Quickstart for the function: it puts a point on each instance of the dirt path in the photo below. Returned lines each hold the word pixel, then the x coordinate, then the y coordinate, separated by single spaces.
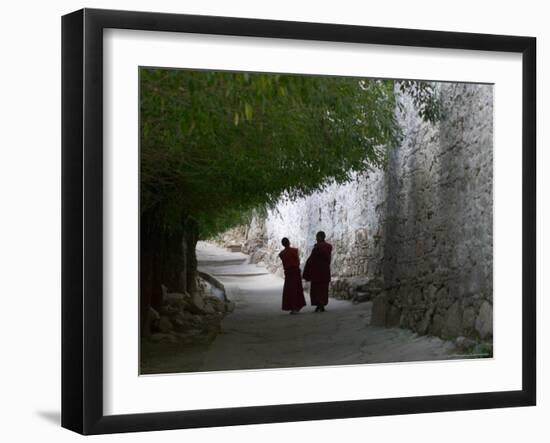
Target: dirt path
pixel 258 334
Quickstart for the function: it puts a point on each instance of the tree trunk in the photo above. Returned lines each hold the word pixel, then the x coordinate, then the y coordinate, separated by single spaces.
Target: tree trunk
pixel 167 258
pixel 146 270
pixel 190 239
pixel 146 274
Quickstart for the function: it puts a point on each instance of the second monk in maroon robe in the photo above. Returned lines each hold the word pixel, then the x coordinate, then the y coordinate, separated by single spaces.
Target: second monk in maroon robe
pixel 317 271
pixel 293 292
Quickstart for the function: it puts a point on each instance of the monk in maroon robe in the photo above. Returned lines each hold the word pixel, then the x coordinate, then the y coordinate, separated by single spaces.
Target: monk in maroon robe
pixel 317 271
pixel 293 292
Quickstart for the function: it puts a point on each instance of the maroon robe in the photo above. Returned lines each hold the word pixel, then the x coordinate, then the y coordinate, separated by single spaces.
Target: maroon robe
pixel 293 292
pixel 317 271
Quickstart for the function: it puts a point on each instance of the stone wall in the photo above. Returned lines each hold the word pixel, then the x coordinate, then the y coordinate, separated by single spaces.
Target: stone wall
pixel 417 237
pixel 437 257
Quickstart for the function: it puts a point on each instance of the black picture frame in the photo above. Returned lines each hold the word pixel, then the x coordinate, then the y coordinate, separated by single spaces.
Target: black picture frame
pixel 82 218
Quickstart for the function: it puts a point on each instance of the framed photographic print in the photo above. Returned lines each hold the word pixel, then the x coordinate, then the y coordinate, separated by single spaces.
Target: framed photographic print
pixel 268 221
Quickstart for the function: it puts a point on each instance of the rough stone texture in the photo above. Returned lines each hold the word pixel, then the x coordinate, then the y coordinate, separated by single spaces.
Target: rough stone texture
pixel 421 230
pixel 165 325
pixel 379 310
pixel 188 319
pixel 484 321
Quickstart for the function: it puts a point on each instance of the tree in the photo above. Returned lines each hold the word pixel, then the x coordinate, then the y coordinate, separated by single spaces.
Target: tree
pixel 215 145
pixel 217 141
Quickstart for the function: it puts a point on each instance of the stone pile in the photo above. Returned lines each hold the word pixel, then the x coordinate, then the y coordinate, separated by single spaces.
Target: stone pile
pixel 189 318
pixel 358 289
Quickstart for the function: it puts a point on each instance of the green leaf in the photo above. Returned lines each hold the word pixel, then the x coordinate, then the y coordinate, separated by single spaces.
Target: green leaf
pixel 198 159
pixel 248 111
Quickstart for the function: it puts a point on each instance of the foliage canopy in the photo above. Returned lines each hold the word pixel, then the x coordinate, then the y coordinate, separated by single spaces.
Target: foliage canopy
pixel 216 144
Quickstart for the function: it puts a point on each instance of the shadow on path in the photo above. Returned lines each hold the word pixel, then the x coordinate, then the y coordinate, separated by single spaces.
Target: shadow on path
pixel 258 334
